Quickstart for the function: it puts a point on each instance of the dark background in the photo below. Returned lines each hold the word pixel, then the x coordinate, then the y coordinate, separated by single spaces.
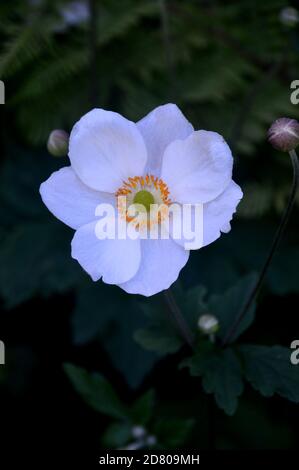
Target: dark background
pixel 229 66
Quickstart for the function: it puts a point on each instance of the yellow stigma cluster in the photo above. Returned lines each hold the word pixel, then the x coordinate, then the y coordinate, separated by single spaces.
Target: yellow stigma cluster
pixel 145 191
pixel 147 183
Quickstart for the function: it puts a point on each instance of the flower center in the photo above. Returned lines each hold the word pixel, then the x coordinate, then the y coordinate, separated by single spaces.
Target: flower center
pixel 145 198
pixel 146 190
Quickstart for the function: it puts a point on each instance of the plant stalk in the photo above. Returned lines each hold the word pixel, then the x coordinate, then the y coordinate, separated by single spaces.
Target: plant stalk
pixel 179 319
pixel 93 26
pixel 277 238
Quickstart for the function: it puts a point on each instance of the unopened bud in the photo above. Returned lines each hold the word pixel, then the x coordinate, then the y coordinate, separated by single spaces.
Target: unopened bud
pixel 151 441
pixel 58 143
pixel 138 432
pixel 208 324
pixel 284 134
pixel 289 16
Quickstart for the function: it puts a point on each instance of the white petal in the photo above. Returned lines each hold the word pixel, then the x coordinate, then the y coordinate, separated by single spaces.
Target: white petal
pixel 161 262
pixel 218 213
pixel 70 200
pixel 159 128
pixel 105 149
pixel 226 228
pixel 186 225
pixel 116 261
pixel 198 168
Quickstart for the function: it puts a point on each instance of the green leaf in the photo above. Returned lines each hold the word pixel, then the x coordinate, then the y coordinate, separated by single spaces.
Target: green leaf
pixel 227 306
pixel 117 435
pixel 96 391
pixel 35 259
pixel 221 375
pixel 20 179
pixel 160 341
pixel 283 275
pixel 253 423
pixel 270 371
pixel 161 334
pixel 172 433
pixel 35 248
pixel 97 305
pixel 132 360
pixel 192 302
pixel 142 410
pixel 105 313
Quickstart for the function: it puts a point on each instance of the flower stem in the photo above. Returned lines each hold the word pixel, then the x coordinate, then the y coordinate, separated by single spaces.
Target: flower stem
pixel 189 338
pixel 179 319
pixel 212 423
pixel 275 243
pixel 168 49
pixel 93 26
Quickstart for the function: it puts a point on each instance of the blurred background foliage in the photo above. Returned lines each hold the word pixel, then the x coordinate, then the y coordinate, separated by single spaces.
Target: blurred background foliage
pixel 229 66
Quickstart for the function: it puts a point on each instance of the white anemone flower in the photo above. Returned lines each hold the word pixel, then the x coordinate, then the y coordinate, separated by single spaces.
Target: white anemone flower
pixel 158 159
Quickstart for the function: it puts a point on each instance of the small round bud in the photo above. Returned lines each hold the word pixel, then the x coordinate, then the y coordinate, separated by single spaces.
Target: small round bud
pixel 58 143
pixel 151 441
pixel 208 324
pixel 284 134
pixel 138 432
pixel 289 16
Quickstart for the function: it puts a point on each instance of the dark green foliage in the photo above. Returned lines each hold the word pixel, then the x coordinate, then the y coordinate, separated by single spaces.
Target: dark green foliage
pixel 96 392
pixel 221 375
pixel 142 410
pixel 160 335
pixel 223 67
pixel 172 433
pixel 42 250
pixel 117 435
pixel 227 306
pixel 35 248
pixel 270 371
pixel 105 313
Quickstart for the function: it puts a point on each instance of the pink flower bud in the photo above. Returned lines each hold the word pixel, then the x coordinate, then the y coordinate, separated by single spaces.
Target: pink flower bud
pixel 58 143
pixel 284 134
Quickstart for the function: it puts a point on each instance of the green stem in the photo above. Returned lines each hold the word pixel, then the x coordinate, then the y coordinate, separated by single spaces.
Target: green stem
pixel 168 49
pixel 179 319
pixel 189 338
pixel 93 26
pixel 211 423
pixel 277 238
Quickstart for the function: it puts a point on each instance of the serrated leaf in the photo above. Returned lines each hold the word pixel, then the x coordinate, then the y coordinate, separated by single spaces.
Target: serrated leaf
pixel 270 371
pixel 172 433
pixel 35 251
pixel 96 305
pixel 96 391
pixel 107 314
pixel 161 335
pixel 34 259
pixel 142 409
pixel 221 375
pixel 227 306
pixel 160 341
pixel 192 302
pixel 283 275
pixel 20 178
pixel 117 435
